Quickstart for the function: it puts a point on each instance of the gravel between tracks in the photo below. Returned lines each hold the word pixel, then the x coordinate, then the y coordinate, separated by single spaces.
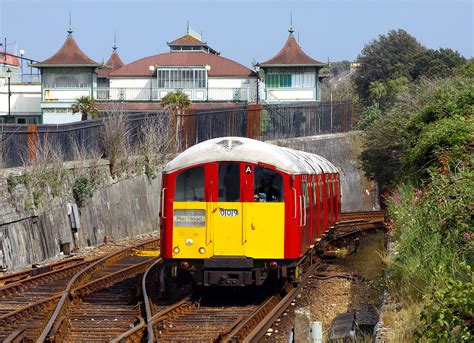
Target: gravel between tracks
pixel 327 298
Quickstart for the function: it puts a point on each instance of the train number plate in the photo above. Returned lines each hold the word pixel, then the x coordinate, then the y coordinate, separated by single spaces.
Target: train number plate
pixel 228 213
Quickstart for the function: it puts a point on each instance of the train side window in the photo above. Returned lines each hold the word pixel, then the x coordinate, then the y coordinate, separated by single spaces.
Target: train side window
pixel 268 185
pixel 229 182
pixel 328 195
pixel 320 186
pixel 314 193
pixel 190 185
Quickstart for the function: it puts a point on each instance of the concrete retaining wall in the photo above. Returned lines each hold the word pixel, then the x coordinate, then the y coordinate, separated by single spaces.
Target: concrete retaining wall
pixel 342 149
pixel 118 209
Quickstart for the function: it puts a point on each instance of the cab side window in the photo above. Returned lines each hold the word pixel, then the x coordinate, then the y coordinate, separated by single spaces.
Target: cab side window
pixel 190 185
pixel 229 182
pixel 268 185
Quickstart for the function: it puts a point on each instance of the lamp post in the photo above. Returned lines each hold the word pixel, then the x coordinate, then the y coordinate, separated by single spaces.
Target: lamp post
pixel 22 53
pixel 9 74
pixel 208 68
pixel 257 69
pixel 151 69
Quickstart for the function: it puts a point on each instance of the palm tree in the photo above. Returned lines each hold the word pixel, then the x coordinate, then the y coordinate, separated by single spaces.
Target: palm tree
pixel 177 102
pixel 86 106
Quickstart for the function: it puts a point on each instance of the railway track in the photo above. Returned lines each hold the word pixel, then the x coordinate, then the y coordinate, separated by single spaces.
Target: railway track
pixel 201 320
pixel 32 272
pixel 30 303
pixel 115 299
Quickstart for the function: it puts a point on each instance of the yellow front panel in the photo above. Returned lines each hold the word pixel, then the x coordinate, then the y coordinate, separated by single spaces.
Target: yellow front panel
pixel 264 229
pixel 227 221
pixel 256 230
pixel 201 236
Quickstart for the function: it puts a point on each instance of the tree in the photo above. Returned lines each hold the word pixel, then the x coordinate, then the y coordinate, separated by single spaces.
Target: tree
pixel 386 58
pixel 177 103
pixel 86 106
pixel 436 63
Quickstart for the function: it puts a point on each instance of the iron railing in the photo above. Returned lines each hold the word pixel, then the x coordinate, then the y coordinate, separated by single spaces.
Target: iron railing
pixel 243 94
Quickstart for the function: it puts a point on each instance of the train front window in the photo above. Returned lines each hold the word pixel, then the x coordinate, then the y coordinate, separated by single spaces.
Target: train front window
pixel 268 185
pixel 229 182
pixel 190 185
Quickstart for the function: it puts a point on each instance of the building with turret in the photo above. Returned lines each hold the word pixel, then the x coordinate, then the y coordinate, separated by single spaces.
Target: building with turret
pixel 291 75
pixel 66 76
pixel 190 66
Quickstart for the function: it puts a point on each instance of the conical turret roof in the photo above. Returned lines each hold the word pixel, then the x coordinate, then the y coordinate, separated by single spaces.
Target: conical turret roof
pixel 291 55
pixel 112 64
pixel 70 55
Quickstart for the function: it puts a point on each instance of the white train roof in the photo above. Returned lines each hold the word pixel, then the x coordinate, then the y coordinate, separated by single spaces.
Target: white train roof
pixel 252 151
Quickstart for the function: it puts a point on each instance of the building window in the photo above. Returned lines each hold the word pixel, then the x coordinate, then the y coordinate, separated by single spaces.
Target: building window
pixel 292 77
pixel 278 80
pixel 66 78
pixel 181 78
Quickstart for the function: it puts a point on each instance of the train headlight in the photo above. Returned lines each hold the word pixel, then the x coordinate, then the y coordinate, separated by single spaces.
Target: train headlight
pixel 189 242
pixel 176 250
pixel 202 250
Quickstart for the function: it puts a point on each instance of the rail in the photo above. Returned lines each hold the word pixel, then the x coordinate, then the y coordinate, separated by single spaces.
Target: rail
pixel 83 277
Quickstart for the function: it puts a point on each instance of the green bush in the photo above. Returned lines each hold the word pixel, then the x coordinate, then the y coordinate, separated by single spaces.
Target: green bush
pixel 448 311
pixel 82 189
pixel 434 251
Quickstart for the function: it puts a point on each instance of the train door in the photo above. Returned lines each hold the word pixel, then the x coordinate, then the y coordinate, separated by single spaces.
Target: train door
pixel 338 196
pixel 264 212
pixel 315 209
pixel 329 183
pixel 325 207
pixel 226 210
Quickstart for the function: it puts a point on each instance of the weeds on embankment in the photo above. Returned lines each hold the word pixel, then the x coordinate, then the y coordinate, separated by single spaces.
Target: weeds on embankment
pixel 419 150
pixel 431 267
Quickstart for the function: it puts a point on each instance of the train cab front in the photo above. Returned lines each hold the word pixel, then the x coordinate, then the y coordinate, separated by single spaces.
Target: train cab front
pixel 223 224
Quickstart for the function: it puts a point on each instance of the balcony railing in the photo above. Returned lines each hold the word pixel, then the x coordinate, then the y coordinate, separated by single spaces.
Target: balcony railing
pixel 244 94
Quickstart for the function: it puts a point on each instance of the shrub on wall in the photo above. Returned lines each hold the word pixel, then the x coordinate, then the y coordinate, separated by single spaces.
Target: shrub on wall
pixel 82 189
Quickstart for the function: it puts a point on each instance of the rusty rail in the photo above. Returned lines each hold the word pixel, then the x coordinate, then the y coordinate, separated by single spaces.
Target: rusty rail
pixel 41 279
pixel 83 277
pixel 33 272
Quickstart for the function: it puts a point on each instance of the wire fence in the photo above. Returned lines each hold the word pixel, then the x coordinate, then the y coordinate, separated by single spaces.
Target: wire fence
pixel 19 143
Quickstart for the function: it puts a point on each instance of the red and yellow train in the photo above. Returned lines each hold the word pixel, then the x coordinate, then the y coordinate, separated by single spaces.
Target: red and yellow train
pixel 236 210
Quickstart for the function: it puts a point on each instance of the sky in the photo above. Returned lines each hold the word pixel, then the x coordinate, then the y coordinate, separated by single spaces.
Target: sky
pixel 244 31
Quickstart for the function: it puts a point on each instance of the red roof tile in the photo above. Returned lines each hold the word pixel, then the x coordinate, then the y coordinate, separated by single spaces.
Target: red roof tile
pixel 70 54
pixel 220 66
pixel 292 54
pixel 112 64
pixel 187 40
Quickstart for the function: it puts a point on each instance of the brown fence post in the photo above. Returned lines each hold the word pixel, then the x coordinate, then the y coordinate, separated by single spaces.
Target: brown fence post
pixel 32 140
pixel 253 120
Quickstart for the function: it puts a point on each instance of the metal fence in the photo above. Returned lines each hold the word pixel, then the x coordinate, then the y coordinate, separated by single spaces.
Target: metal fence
pixel 19 143
pixel 305 119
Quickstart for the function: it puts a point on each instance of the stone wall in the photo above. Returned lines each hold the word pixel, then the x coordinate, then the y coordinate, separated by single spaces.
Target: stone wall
pixel 342 149
pixel 35 219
